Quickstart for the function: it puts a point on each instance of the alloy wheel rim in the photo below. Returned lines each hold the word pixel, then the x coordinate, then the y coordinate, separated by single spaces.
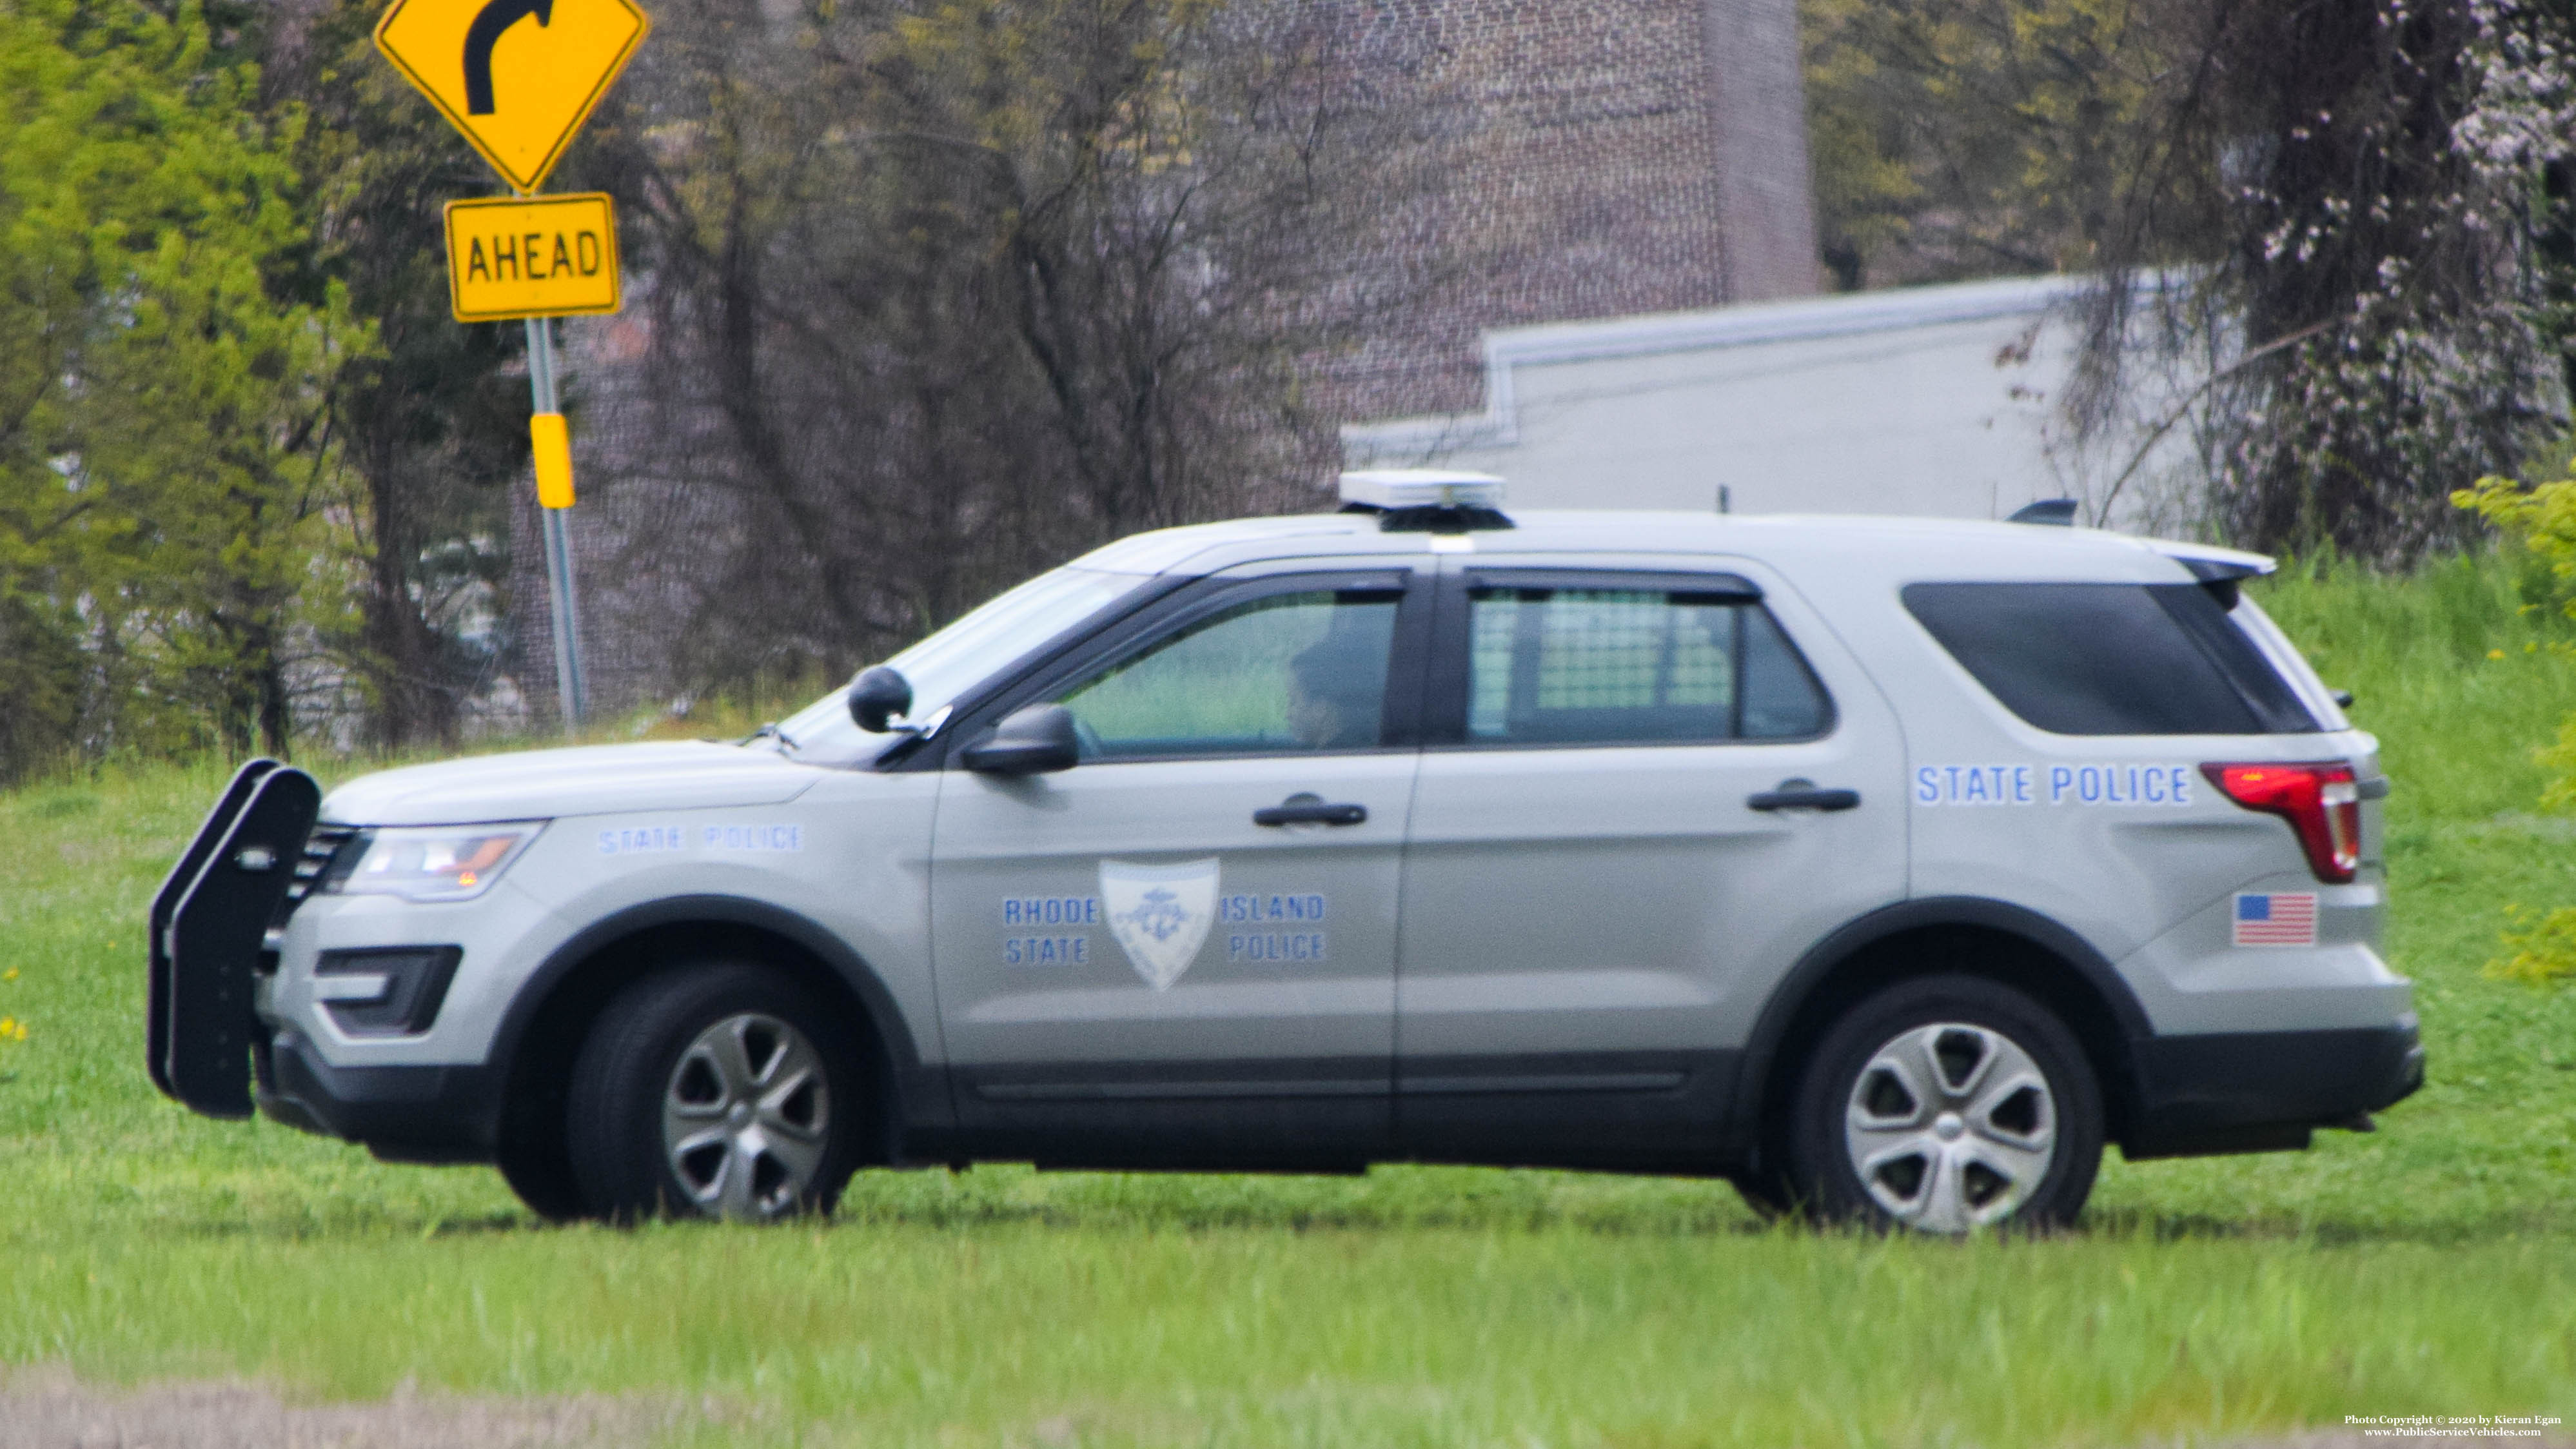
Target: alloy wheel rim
pixel 746 1117
pixel 1950 1127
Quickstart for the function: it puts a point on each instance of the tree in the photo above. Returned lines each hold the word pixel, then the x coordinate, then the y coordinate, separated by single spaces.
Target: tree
pixel 428 427
pixel 941 294
pixel 2333 239
pixel 159 410
pixel 2343 199
pixel 1965 138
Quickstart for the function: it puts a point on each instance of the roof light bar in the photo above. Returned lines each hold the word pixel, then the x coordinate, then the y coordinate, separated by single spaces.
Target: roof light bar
pixel 1426 500
pixel 1394 489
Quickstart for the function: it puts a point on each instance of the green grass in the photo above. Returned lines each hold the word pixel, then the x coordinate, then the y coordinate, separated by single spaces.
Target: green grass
pixel 2429 1268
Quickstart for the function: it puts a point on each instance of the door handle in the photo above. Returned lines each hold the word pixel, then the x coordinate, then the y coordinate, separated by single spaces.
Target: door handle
pixel 1803 797
pixel 1305 808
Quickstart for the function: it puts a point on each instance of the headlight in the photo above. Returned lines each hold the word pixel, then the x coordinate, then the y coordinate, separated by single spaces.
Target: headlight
pixel 433 863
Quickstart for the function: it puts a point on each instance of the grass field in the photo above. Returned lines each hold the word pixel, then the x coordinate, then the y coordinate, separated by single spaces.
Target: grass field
pixel 2429 1268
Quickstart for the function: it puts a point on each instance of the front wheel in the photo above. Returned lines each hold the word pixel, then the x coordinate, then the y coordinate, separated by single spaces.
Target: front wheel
pixel 720 1090
pixel 1946 1104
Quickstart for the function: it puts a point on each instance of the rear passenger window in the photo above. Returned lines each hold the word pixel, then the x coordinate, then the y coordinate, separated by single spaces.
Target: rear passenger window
pixel 1616 666
pixel 2111 659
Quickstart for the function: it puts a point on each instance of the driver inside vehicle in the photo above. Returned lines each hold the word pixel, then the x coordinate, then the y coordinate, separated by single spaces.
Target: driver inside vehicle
pixel 1336 692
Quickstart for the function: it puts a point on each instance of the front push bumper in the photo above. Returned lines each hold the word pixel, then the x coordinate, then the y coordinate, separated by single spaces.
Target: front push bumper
pixel 208 928
pixel 204 1043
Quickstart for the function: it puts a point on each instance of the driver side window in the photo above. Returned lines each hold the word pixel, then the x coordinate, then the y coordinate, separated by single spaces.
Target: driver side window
pixel 1281 674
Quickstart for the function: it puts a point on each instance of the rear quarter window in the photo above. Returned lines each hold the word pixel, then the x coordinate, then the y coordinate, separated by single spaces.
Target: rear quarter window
pixel 2111 659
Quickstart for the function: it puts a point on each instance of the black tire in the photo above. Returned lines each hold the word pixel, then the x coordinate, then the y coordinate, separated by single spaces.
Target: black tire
pixel 1767 1192
pixel 2007 1133
pixel 537 1165
pixel 737 1059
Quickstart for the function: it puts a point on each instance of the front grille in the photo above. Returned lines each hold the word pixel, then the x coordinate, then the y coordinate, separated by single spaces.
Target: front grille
pixel 322 851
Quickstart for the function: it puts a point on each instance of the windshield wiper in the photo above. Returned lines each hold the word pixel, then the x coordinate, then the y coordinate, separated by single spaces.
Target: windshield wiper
pixel 770 731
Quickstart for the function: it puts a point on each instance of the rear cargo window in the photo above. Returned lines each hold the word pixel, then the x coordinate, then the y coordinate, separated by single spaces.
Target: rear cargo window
pixel 2111 659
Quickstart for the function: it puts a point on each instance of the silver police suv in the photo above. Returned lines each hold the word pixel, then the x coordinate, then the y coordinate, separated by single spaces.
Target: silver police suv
pixel 1886 867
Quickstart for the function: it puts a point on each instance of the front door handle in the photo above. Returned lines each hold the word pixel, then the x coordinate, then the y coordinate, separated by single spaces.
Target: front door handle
pixel 1803 797
pixel 1306 808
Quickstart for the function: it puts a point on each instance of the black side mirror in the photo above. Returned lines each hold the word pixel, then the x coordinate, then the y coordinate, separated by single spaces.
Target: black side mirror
pixel 1030 741
pixel 878 695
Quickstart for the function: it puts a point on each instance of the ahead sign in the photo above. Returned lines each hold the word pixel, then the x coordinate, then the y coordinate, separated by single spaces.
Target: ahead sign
pixel 541 256
pixel 518 77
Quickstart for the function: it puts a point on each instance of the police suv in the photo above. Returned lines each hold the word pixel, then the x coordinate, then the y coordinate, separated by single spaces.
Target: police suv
pixel 1888 867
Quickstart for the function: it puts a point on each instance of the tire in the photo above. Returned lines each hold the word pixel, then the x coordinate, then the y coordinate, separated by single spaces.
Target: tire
pixel 1943 1105
pixel 715 1090
pixel 538 1167
pixel 1766 1192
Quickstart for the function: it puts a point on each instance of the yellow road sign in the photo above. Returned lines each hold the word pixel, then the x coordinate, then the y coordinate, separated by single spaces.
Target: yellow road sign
pixel 540 256
pixel 518 77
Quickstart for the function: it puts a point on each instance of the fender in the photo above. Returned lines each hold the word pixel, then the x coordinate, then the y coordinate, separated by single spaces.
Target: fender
pixel 917 1096
pixel 1743 1127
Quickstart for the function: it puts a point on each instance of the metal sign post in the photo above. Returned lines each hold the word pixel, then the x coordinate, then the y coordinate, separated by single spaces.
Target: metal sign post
pixel 519 103
pixel 554 497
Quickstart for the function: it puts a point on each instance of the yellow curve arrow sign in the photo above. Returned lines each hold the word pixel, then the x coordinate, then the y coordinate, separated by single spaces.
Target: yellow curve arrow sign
pixel 517 77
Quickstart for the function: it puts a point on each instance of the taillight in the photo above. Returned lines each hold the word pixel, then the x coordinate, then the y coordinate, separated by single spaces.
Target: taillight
pixel 2321 802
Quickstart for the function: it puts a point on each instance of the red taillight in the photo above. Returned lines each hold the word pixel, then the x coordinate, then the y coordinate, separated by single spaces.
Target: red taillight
pixel 2321 802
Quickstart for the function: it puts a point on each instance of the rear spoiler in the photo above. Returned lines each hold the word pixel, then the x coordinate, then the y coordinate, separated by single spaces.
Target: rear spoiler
pixel 2220 570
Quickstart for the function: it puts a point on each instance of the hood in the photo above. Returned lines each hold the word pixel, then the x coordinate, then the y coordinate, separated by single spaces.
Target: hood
pixel 546 784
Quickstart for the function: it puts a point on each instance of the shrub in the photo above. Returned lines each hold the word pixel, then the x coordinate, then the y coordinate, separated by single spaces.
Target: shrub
pixel 2540 523
pixel 2543 952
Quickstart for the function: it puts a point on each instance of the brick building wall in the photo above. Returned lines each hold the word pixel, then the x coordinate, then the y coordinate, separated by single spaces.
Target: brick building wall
pixel 1766 197
pixel 1608 158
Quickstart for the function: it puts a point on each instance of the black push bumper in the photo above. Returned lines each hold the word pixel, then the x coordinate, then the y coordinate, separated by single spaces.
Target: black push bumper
pixel 209 922
pixel 2263 1091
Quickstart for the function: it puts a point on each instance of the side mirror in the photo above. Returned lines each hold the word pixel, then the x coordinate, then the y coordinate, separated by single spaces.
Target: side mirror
pixel 878 695
pixel 1031 741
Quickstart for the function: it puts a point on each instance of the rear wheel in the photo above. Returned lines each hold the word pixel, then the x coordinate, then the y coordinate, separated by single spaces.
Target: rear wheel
pixel 1946 1104
pixel 718 1090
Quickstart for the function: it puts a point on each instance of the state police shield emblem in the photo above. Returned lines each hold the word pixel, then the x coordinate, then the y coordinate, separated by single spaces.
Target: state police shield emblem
pixel 1160 914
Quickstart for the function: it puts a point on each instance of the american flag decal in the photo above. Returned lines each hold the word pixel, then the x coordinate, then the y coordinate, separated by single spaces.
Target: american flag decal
pixel 2279 919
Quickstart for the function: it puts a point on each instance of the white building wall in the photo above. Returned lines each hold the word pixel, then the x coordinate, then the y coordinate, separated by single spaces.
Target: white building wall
pixel 1931 400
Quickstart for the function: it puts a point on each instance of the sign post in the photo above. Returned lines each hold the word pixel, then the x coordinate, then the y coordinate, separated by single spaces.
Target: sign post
pixel 552 444
pixel 518 78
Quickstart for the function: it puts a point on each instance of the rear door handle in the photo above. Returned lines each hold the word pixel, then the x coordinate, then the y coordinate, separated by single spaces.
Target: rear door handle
pixel 1304 808
pixel 1806 797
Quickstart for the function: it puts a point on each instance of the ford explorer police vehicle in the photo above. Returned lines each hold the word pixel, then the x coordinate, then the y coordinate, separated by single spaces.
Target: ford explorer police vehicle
pixel 1887 867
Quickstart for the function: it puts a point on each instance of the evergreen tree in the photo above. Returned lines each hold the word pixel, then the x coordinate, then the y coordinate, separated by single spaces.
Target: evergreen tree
pixel 160 411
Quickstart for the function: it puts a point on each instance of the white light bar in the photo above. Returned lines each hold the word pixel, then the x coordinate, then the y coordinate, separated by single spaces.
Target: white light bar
pixel 1394 488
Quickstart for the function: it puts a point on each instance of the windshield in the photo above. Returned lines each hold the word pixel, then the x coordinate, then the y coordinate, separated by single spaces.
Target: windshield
pixel 962 655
